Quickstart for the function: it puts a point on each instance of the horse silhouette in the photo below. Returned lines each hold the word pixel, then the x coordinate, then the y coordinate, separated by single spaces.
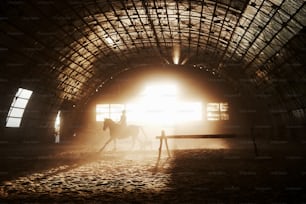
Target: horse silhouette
pixel 118 132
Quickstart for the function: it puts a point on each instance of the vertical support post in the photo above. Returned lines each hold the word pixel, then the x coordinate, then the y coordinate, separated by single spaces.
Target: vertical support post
pixel 254 142
pixel 160 145
pixel 166 142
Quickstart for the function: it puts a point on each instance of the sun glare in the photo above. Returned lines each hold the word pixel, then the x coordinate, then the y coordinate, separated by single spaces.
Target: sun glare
pixel 176 54
pixel 160 104
pixel 157 104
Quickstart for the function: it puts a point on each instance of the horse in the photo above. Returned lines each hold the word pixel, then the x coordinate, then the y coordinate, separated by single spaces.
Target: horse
pixel 118 132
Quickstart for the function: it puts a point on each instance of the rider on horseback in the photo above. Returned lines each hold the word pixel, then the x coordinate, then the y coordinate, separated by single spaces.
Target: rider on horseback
pixel 122 121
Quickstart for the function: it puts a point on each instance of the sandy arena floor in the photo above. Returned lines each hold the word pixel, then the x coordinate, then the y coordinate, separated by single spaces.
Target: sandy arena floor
pixel 189 176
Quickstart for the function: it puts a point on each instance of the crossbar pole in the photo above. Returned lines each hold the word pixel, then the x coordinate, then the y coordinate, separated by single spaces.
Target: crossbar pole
pixel 197 136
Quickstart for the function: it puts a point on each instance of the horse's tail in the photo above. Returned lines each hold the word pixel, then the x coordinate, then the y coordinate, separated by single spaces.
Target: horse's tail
pixel 147 141
pixel 142 131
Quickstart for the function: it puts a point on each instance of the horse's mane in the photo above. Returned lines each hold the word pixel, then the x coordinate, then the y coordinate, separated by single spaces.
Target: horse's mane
pixel 109 120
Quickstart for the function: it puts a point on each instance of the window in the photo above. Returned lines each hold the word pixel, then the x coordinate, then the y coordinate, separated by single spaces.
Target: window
pixel 17 108
pixel 57 127
pixel 158 104
pixel 217 111
pixel 102 111
pixel 57 123
pixel 116 111
pixel 112 111
pixel 143 113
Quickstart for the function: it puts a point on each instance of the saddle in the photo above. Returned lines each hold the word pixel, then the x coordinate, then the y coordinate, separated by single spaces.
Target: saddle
pixel 122 128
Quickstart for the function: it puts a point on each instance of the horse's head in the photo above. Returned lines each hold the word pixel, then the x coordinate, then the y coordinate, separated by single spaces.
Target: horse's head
pixel 107 123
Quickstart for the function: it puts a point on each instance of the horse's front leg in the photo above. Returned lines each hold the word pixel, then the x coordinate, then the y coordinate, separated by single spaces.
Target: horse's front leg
pixel 108 141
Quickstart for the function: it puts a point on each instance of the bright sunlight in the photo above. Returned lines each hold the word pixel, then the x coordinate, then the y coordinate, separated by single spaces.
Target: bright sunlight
pixel 158 103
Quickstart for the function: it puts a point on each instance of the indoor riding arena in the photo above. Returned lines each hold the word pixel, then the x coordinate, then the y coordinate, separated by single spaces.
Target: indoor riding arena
pixel 153 101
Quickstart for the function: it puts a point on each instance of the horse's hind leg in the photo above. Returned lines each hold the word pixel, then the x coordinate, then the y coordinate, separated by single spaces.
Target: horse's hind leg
pixel 133 143
pixel 108 141
pixel 115 145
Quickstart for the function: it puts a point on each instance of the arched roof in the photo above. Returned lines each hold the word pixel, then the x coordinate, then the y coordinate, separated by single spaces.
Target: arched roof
pixel 70 48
